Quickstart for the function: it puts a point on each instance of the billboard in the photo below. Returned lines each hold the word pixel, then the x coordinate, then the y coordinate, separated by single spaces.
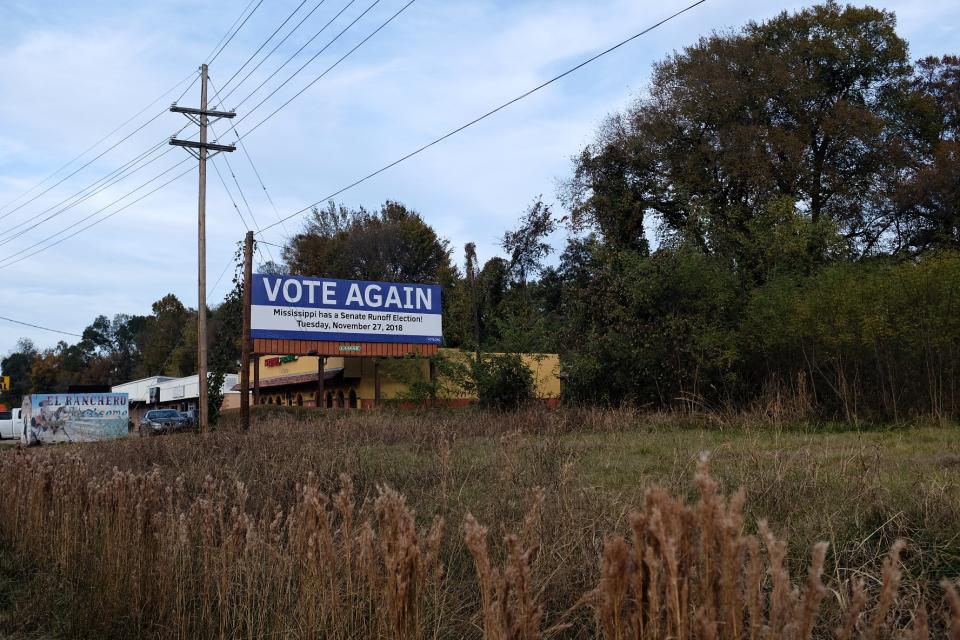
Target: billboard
pixel 299 308
pixel 74 417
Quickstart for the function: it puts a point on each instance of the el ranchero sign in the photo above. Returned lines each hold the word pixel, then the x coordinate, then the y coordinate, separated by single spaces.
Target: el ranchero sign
pixel 299 308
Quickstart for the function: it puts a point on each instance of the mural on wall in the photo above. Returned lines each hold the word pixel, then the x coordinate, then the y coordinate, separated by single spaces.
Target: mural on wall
pixel 74 417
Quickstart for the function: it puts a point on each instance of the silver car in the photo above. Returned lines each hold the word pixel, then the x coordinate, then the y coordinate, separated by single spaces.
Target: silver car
pixel 157 421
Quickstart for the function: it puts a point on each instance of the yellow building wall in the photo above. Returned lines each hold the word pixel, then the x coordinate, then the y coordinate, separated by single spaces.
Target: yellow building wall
pixel 545 368
pixel 304 364
pixel 358 374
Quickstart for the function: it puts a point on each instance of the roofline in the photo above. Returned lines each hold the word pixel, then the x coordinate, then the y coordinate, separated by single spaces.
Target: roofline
pixel 147 378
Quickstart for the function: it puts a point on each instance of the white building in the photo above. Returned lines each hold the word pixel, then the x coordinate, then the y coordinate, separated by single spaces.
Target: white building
pixel 172 393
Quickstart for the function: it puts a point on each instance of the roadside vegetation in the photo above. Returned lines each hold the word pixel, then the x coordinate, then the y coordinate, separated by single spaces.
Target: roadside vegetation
pixel 775 216
pixel 795 314
pixel 529 524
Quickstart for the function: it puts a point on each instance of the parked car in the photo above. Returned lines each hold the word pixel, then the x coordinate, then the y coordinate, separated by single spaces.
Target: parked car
pixel 11 424
pixel 158 421
pixel 190 416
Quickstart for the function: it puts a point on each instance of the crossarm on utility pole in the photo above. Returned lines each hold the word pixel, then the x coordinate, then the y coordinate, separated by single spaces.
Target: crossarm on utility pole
pixel 209 146
pixel 202 112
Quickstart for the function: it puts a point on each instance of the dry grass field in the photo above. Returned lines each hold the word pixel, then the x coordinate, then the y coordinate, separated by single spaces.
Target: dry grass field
pixel 567 523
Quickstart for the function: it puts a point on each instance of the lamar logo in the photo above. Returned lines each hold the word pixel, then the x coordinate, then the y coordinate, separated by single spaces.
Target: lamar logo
pixel 349 347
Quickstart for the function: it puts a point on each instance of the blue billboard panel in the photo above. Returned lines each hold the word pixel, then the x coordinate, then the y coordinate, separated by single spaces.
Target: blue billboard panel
pixel 301 308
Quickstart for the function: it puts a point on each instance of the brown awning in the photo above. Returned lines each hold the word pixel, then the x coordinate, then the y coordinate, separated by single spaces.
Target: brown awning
pixel 292 379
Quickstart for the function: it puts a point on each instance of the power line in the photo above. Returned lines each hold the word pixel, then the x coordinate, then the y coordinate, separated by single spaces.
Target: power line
pixel 240 190
pixel 10 230
pixel 246 204
pixel 252 166
pixel 10 259
pixel 36 326
pixel 233 201
pixel 24 232
pixel 219 278
pixel 276 212
pixel 260 48
pixel 114 177
pixel 304 46
pixel 229 195
pixel 85 165
pixel 107 136
pixel 96 222
pixel 328 69
pixel 271 52
pixel 229 30
pixel 235 31
pixel 488 113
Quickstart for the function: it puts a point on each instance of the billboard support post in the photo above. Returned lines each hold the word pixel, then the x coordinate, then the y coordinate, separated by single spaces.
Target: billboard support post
pixel 376 382
pixel 256 378
pixel 245 342
pixel 320 381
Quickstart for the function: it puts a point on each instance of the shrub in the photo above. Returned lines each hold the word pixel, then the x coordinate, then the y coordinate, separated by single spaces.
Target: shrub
pixel 503 381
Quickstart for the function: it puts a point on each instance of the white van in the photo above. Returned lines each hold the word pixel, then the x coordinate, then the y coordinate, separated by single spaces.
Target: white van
pixel 11 424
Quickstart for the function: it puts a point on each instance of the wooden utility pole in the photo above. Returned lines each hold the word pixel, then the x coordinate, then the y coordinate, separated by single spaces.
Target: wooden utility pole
pixel 201 116
pixel 245 340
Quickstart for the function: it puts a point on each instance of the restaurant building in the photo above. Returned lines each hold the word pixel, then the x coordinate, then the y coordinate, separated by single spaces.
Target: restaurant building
pixel 357 382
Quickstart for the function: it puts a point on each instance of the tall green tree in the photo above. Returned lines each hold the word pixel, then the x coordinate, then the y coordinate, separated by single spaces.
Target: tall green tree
pixel 163 335
pixel 928 200
pixel 18 364
pixel 803 107
pixel 393 244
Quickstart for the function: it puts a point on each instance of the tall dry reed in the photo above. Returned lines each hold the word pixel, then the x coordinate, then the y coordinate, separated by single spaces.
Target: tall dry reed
pixel 147 554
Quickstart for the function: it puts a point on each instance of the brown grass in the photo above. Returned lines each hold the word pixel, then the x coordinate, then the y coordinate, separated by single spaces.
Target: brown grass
pixel 261 535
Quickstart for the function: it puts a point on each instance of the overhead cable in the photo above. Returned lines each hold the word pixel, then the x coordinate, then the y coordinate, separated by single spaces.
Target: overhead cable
pixel 85 165
pixel 114 177
pixel 37 326
pixel 235 32
pixel 15 258
pixel 265 42
pixel 486 115
pixel 271 52
pixel 297 52
pixel 193 75
pixel 325 72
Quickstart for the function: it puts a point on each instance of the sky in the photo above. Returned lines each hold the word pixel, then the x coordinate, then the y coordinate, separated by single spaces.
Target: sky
pixel 71 72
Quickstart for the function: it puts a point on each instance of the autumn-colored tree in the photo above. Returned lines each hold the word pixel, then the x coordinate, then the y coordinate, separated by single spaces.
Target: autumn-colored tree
pixel 393 245
pixel 803 107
